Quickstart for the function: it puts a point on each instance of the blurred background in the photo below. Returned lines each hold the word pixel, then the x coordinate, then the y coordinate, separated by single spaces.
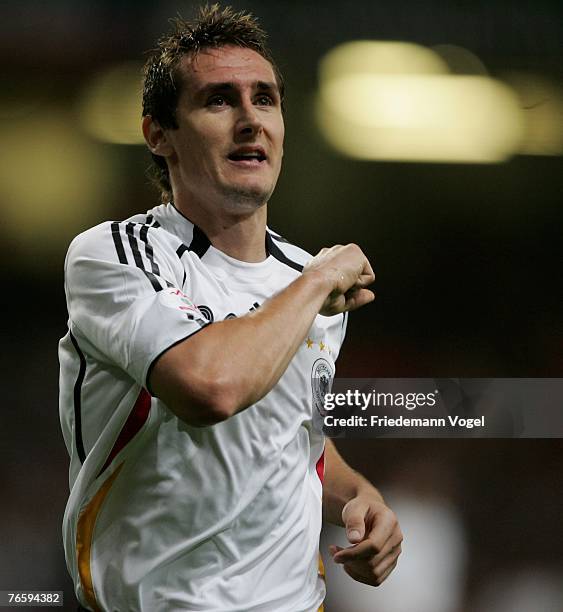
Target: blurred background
pixel 429 133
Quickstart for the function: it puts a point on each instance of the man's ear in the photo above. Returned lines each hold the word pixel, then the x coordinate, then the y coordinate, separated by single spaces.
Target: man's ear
pixel 156 137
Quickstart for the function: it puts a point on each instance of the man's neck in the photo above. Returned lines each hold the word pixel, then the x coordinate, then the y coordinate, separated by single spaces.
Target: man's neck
pixel 241 237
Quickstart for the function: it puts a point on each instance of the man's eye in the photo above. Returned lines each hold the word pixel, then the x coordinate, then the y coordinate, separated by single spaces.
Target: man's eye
pixel 217 101
pixel 265 100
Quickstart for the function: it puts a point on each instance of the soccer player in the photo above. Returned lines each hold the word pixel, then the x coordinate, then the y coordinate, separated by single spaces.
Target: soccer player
pixel 190 372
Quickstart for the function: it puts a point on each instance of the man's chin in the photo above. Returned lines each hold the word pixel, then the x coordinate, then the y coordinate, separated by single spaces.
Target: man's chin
pixel 247 197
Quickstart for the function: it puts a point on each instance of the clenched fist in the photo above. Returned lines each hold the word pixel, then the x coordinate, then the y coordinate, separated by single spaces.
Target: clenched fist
pixel 347 272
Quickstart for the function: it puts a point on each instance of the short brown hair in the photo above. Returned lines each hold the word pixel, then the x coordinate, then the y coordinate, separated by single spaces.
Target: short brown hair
pixel 213 27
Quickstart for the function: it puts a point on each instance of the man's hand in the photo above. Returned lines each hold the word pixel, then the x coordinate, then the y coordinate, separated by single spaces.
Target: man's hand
pixel 347 272
pixel 373 530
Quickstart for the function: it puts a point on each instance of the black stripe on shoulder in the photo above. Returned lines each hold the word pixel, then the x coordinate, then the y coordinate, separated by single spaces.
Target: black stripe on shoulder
pixel 144 235
pixel 130 231
pixel 275 251
pixel 278 238
pixel 200 243
pixel 153 281
pixel 115 232
pixel 78 400
pixel 151 221
pixel 134 246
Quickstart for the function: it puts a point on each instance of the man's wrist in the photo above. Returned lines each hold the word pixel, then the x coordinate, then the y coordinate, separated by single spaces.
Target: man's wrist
pixel 320 280
pixel 366 489
pixel 362 490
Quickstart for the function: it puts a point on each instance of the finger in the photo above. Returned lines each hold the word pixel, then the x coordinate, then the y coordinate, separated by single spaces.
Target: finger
pixel 381 565
pixel 383 576
pixel 367 275
pixel 364 280
pixel 362 573
pixel 333 549
pixel 391 550
pixel 334 305
pixel 359 577
pixel 356 298
pixel 367 551
pixel 360 552
pixel 379 543
pixel 354 519
pixel 337 304
pixel 355 533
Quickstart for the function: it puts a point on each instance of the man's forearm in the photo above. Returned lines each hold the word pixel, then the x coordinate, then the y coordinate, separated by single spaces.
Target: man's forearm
pixel 371 526
pixel 230 365
pixel 234 363
pixel 341 484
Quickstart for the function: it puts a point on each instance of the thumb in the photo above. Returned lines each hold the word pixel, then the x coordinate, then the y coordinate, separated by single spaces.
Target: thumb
pixel 355 533
pixel 353 518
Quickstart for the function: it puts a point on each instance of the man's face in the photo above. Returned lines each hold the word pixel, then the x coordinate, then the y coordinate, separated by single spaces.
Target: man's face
pixel 229 143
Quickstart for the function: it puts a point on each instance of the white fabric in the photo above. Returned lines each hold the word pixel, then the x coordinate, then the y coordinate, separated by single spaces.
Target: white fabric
pixel 221 518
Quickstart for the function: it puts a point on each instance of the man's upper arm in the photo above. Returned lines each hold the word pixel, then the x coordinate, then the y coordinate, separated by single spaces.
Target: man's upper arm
pixel 123 302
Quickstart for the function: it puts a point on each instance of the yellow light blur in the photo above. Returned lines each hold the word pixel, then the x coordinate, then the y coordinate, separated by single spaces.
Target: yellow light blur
pixel 380 57
pixel 420 118
pixel 110 105
pixel 397 101
pixel 54 182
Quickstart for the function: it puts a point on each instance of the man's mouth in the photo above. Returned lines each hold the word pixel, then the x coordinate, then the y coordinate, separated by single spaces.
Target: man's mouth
pixel 250 155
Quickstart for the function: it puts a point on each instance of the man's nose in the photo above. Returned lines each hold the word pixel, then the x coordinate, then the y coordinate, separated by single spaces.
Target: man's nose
pixel 248 122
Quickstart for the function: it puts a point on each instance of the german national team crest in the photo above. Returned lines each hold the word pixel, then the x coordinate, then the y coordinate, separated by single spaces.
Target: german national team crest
pixel 321 383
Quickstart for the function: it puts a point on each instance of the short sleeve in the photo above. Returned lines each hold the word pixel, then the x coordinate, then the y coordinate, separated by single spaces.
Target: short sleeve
pixel 124 297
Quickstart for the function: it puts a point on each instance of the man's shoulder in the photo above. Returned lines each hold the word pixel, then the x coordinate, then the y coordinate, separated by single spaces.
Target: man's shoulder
pixel 93 240
pixel 107 237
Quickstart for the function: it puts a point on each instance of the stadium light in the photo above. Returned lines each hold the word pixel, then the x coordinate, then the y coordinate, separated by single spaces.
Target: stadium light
pixel 55 182
pixel 398 101
pixel 110 105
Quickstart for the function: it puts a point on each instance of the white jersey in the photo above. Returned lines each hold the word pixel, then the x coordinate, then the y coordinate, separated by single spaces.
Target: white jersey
pixel 163 516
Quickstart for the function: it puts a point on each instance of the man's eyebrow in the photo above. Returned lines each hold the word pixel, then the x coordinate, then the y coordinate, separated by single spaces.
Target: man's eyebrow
pixel 267 86
pixel 227 86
